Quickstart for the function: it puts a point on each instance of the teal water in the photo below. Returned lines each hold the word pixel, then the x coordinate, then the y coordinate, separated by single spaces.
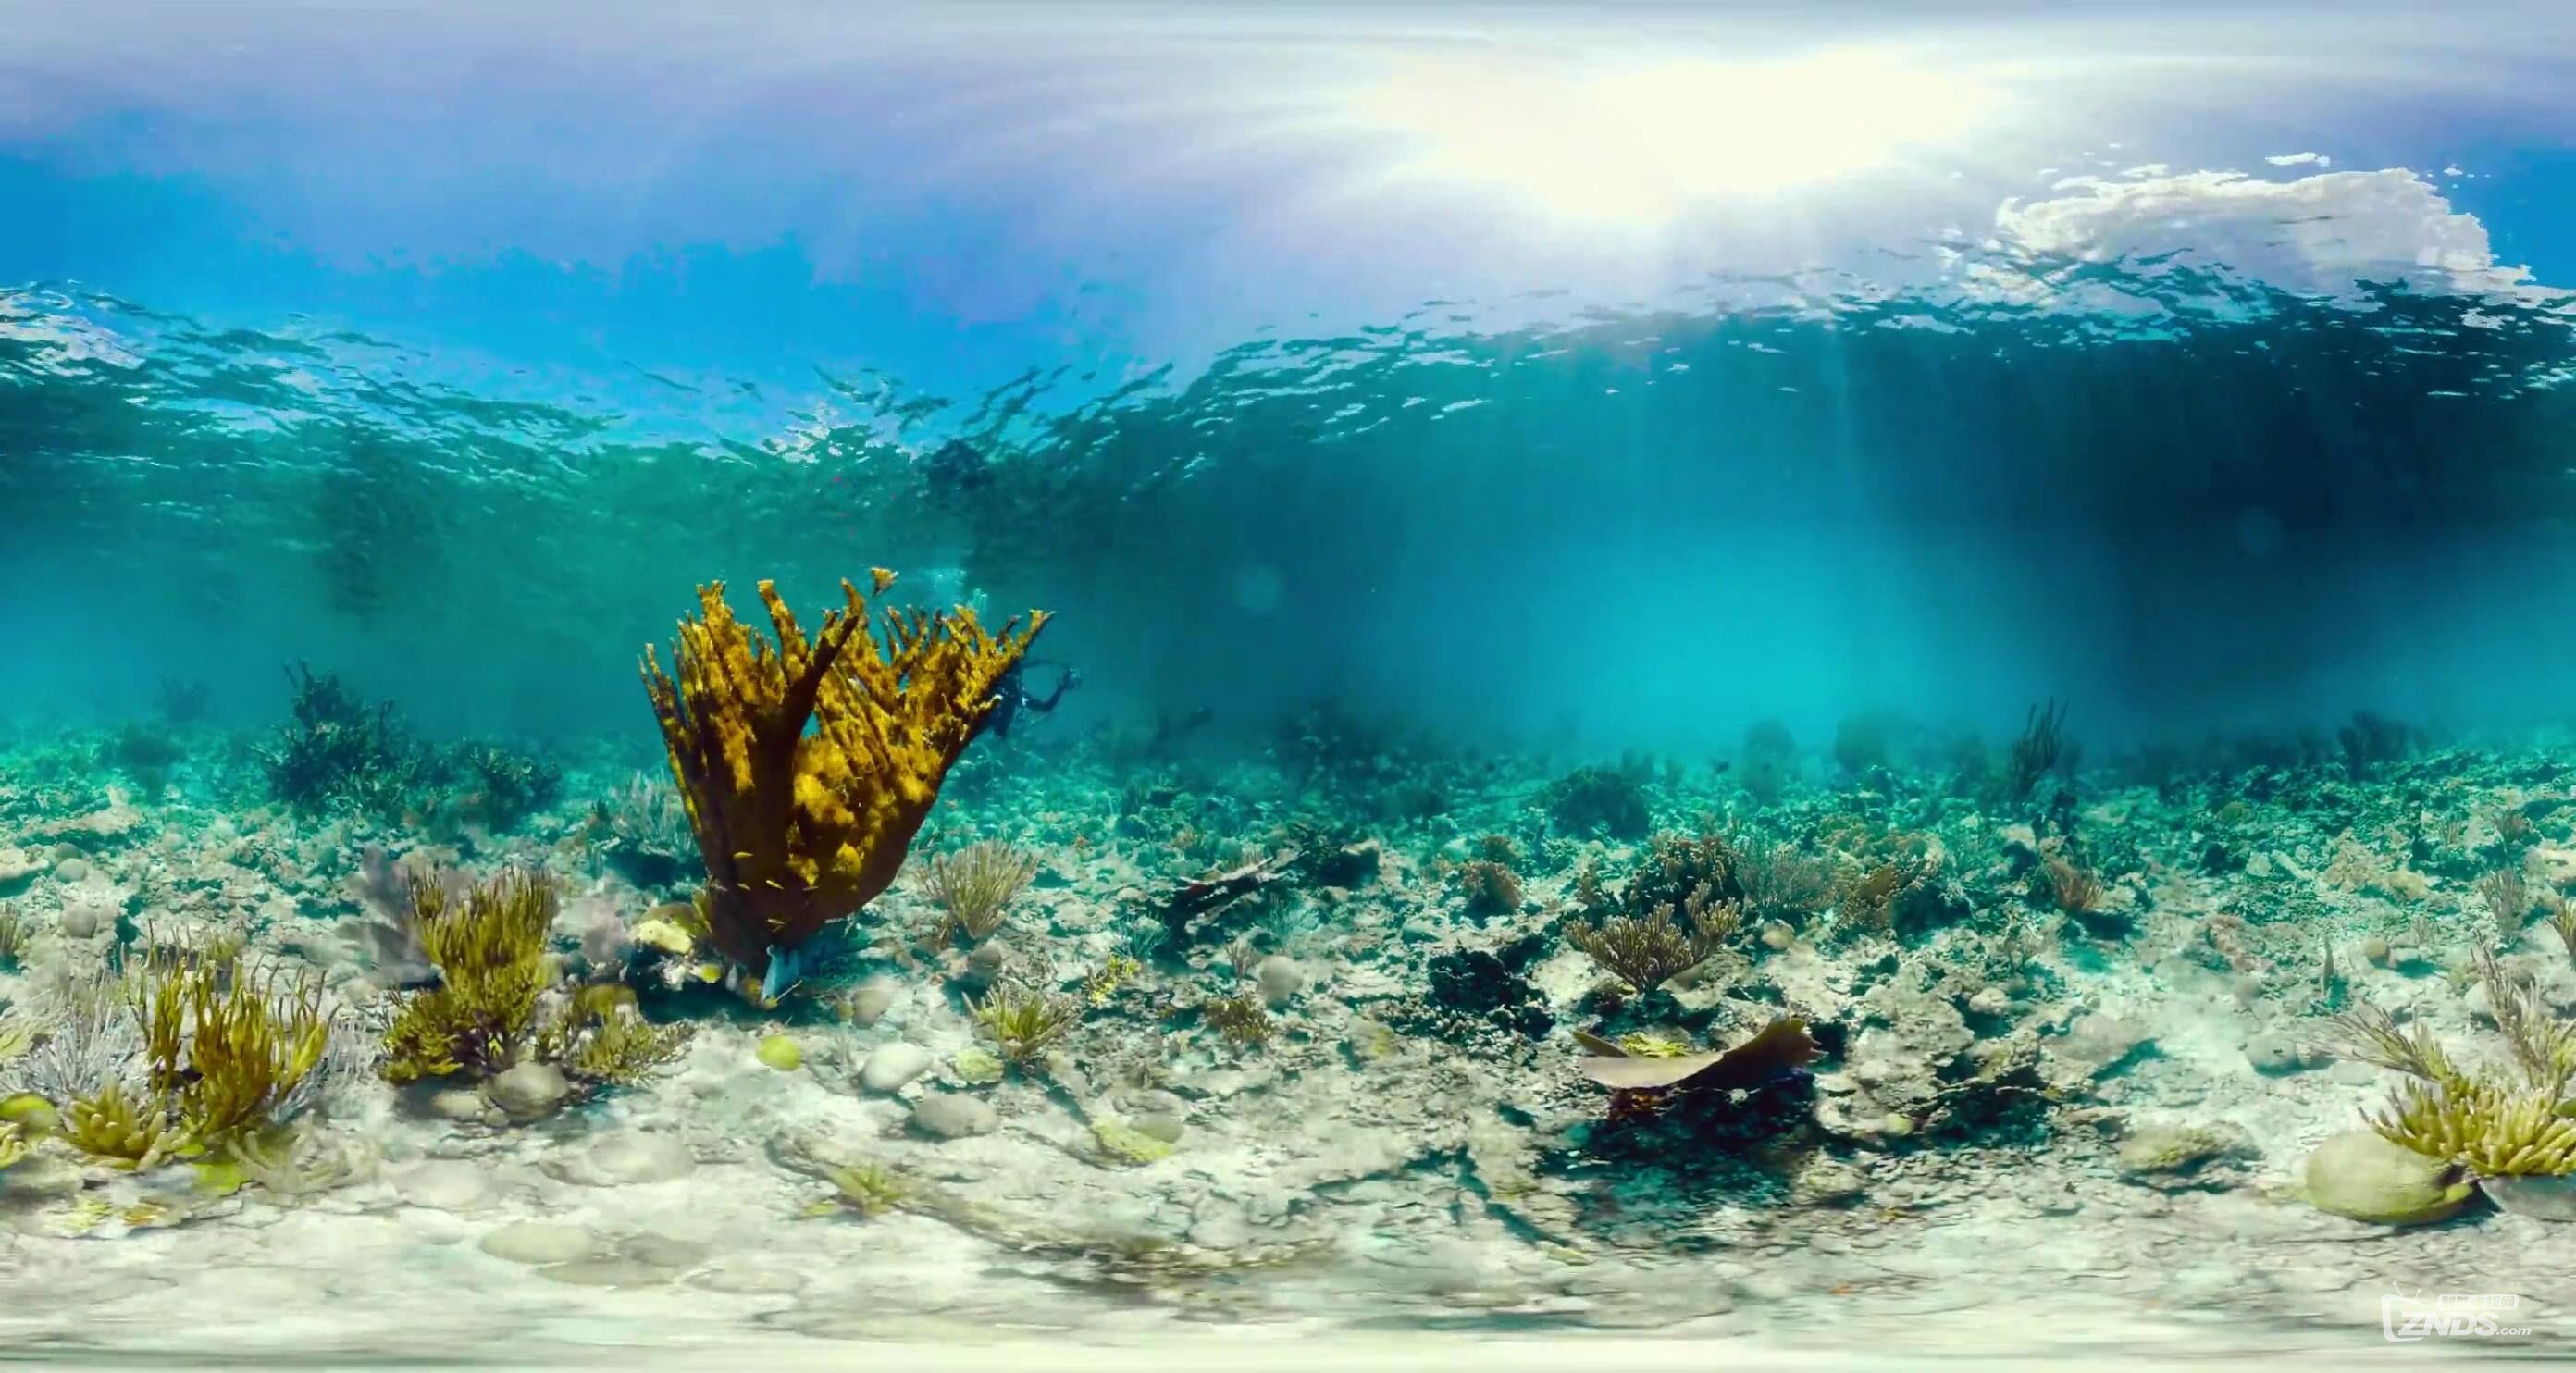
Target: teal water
pixel 1644 530
pixel 2041 409
pixel 1480 435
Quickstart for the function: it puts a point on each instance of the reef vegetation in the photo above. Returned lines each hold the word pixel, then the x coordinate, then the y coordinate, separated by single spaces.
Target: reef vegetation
pixel 1639 1006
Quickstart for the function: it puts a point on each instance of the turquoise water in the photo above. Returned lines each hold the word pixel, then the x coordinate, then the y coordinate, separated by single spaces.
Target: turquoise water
pixel 1399 411
pixel 328 365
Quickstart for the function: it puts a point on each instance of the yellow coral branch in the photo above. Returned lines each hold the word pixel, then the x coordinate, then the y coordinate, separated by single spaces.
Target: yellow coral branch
pixel 2491 1129
pixel 799 827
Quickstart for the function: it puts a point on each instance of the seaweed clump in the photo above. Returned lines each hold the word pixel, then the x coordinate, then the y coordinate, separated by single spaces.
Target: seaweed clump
pixel 503 787
pixel 1024 1023
pixel 488 943
pixel 974 886
pixel 214 1050
pixel 808 768
pixel 1603 800
pixel 2494 1124
pixel 144 753
pixel 642 828
pixel 338 754
pixel 1470 987
pixel 228 1045
pixel 2040 748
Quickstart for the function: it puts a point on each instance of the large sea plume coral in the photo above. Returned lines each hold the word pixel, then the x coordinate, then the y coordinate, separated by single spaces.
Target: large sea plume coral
pixel 802 826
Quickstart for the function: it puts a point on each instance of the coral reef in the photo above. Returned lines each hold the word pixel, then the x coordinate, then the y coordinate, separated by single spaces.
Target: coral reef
pixel 1186 1025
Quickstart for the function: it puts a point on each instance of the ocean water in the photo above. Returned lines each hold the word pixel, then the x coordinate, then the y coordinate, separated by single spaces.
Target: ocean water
pixel 2018 553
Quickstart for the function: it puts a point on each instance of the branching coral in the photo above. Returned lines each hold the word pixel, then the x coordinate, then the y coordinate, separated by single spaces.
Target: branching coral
pixel 2070 886
pixel 1780 883
pixel 809 767
pixel 89 1038
pixel 1677 875
pixel 1893 877
pixel 1684 872
pixel 1491 888
pixel 2508 898
pixel 2371 1035
pixel 1649 950
pixel 644 830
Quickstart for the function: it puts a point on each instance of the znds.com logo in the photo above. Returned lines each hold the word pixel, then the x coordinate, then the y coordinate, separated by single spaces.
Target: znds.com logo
pixel 2450 1315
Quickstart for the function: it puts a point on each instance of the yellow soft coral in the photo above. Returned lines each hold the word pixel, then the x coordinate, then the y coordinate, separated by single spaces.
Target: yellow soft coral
pixel 800 828
pixel 2488 1127
pixel 226 1044
pixel 488 943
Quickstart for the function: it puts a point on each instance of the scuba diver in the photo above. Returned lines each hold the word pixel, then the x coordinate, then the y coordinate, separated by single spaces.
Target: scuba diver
pixel 1016 696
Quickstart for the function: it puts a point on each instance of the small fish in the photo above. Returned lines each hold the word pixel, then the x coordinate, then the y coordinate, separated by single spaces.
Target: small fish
pixel 786 970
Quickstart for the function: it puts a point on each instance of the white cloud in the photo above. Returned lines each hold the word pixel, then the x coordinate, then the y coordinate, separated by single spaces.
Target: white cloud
pixel 2300 160
pixel 2319 235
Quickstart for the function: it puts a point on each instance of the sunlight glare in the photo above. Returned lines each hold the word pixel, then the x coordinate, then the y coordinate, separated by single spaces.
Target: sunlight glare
pixel 1645 144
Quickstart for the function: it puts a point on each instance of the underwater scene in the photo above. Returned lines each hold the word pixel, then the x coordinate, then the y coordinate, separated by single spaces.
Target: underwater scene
pixel 1094 686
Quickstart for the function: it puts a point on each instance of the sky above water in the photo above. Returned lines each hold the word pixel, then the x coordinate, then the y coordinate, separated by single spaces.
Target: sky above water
pixel 615 197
